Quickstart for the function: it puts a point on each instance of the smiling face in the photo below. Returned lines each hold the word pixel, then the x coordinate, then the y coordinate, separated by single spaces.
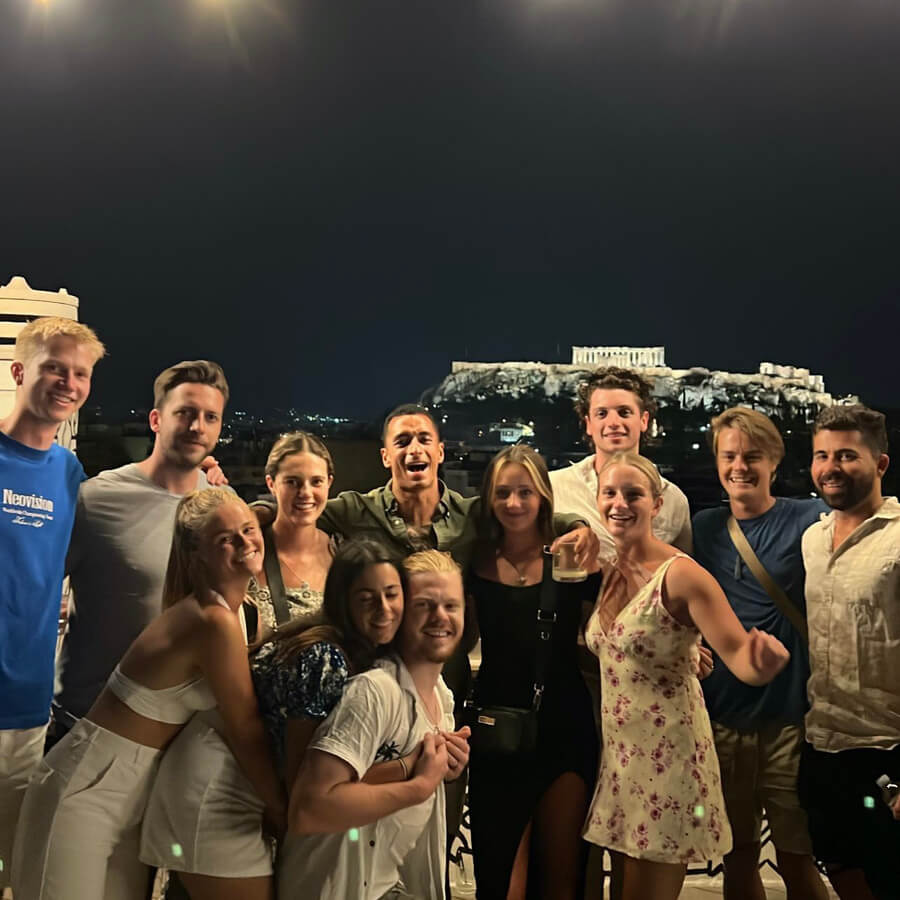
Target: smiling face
pixel 516 501
pixel 188 424
pixel 56 379
pixel 300 487
pixel 626 502
pixel 745 471
pixel 232 544
pixel 434 617
pixel 844 470
pixel 413 452
pixel 376 603
pixel 615 421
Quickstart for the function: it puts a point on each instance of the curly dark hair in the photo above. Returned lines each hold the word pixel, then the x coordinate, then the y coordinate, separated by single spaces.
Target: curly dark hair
pixel 855 417
pixel 616 379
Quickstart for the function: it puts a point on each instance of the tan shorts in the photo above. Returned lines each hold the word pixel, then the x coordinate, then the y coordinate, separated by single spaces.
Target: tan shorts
pixel 759 772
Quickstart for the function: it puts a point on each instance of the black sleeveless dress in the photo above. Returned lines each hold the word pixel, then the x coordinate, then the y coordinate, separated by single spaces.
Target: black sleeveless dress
pixel 503 794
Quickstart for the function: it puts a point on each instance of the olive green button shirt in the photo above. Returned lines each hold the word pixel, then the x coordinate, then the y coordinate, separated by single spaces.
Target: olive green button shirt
pixel 376 515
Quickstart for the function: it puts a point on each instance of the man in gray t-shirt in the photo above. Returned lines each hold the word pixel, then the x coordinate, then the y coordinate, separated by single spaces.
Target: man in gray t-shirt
pixel 123 533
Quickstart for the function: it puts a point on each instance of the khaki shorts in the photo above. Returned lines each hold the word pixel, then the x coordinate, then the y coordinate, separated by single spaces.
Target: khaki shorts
pixel 759 772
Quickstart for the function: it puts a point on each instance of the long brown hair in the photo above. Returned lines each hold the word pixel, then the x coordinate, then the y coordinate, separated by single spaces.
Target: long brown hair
pixel 185 573
pixel 336 623
pixel 490 530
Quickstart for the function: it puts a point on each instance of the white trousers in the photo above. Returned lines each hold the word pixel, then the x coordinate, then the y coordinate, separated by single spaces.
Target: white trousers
pixel 79 828
pixel 21 750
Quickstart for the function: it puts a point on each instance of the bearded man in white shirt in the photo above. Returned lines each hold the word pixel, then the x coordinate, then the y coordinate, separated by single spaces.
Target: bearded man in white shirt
pixel 852 560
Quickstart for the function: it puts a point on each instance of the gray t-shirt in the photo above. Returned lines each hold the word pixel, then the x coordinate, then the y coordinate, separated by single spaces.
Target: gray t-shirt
pixel 116 564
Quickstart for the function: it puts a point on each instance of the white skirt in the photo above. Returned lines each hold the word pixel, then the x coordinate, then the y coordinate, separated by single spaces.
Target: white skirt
pixel 79 829
pixel 204 817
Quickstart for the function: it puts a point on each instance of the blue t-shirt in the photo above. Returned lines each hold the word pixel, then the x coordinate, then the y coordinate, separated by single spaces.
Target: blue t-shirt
pixel 775 538
pixel 39 489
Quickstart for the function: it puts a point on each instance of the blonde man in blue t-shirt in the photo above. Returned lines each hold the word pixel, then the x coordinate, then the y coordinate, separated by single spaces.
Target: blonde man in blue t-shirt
pixel 759 730
pixel 52 366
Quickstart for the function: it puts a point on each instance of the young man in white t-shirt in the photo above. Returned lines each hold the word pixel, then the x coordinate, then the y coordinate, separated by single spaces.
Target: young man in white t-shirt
pixel 352 839
pixel 616 405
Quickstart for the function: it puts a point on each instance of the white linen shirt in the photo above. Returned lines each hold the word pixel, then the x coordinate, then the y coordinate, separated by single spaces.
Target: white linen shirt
pixel 575 491
pixel 853 612
pixel 379 717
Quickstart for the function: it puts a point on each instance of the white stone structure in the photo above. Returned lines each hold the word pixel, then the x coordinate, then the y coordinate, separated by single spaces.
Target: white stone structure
pixel 19 304
pixel 627 357
pixel 793 373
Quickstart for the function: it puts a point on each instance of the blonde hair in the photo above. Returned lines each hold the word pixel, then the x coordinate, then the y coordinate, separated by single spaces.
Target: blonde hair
pixel 428 561
pixel 636 461
pixel 39 332
pixel 758 428
pixel 184 573
pixel 297 442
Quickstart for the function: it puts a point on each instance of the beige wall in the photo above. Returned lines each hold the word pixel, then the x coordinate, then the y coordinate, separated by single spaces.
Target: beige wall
pixel 18 299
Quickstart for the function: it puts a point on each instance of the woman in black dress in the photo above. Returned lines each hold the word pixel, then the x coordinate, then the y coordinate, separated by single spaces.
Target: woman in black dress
pixel 527 810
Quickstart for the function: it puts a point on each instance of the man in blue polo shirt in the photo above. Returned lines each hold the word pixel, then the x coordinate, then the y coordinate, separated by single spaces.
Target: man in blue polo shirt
pixel 759 730
pixel 53 362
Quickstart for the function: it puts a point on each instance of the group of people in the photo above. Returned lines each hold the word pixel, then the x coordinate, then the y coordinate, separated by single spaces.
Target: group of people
pixel 278 699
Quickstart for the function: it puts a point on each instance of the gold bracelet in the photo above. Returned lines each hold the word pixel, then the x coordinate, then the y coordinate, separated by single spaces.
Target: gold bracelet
pixel 402 762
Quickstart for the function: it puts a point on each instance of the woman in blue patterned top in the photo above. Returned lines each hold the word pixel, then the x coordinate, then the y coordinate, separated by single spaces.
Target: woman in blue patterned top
pixel 300 673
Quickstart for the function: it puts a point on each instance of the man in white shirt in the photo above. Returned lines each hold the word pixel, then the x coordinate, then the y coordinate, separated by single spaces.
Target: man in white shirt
pixel 616 406
pixel 352 839
pixel 852 560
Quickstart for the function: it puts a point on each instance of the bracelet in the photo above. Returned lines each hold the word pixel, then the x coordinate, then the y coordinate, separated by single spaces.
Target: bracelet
pixel 403 765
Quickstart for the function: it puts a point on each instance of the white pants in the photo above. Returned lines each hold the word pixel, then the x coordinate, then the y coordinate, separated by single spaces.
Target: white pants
pixel 81 819
pixel 21 750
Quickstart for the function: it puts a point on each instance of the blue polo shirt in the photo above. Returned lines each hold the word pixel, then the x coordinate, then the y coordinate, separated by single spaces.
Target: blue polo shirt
pixel 775 538
pixel 38 489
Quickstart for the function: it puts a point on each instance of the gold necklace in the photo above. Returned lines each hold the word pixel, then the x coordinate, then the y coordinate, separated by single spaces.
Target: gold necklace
pixel 520 573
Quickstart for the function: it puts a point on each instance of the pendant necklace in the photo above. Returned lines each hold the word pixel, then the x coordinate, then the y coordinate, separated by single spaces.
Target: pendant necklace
pixel 520 573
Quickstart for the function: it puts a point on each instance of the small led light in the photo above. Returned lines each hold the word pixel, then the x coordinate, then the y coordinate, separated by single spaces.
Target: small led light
pixel 869 802
pixel 177 852
pixel 699 811
pixel 353 834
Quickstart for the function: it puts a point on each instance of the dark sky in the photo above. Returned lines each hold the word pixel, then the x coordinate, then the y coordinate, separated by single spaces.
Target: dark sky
pixel 334 198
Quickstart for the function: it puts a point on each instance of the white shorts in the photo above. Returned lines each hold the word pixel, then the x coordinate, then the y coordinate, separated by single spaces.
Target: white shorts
pixel 21 750
pixel 204 817
pixel 79 828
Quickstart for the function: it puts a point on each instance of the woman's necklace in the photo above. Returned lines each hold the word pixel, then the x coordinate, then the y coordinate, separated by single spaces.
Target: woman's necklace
pixel 521 573
pixel 285 563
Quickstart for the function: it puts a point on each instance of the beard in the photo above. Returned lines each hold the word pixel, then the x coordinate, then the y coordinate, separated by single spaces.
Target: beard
pixel 852 493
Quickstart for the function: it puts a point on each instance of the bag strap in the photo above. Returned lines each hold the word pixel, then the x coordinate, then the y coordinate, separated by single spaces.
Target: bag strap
pixel 546 619
pixel 781 600
pixel 274 579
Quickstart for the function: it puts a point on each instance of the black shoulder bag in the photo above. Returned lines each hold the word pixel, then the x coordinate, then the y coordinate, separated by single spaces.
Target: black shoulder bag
pixel 501 731
pixel 274 579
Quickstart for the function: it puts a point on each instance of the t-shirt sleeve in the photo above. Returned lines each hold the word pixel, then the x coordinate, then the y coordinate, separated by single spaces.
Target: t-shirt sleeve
pixel 357 727
pixel 76 539
pixel 314 685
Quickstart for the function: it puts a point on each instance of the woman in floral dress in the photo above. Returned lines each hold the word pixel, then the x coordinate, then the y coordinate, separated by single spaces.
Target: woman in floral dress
pixel 658 799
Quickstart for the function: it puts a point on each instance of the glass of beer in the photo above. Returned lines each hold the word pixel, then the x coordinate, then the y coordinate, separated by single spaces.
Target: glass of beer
pixel 565 568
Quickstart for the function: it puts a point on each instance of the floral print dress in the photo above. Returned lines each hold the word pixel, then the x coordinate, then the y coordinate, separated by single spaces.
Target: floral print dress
pixel 658 794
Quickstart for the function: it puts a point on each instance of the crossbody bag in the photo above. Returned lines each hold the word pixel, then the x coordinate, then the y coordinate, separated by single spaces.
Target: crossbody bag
pixel 502 731
pixel 781 600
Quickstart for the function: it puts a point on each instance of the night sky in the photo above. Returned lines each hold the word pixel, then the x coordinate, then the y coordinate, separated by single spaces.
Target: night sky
pixel 335 198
